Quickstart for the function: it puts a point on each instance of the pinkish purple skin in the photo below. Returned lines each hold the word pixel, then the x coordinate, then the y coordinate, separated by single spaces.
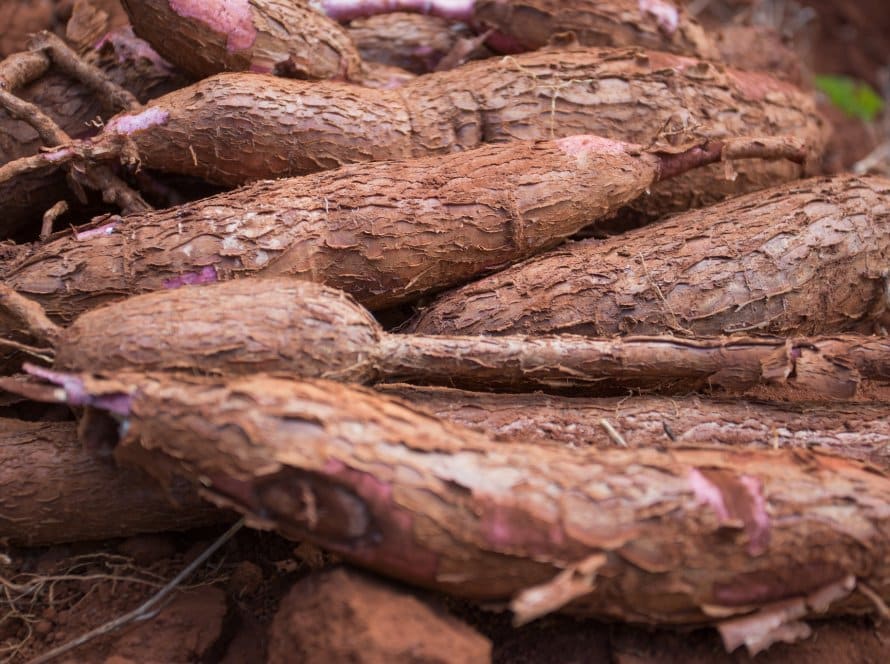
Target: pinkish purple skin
pixel 99 231
pixel 708 493
pixel 206 275
pixel 129 48
pixel 758 532
pixel 397 548
pixel 76 393
pixel 229 17
pixel 57 155
pixel 127 124
pixel 346 10
pixel 502 43
pixel 506 529
pixel 758 529
pixel 583 144
pixel 665 13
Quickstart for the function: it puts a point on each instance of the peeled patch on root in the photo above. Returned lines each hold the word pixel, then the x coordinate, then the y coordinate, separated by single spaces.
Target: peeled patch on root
pixel 129 48
pixel 99 231
pixel 77 394
pixel 735 499
pixel 229 17
pixel 206 275
pixel 583 145
pixel 665 13
pixel 127 124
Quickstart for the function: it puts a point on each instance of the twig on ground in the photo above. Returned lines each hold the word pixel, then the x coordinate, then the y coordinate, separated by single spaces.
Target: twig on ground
pixel 145 611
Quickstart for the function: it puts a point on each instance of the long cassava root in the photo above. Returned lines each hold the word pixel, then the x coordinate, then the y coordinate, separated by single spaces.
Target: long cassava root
pixel 854 430
pixel 54 491
pixel 300 328
pixel 530 24
pixel 384 232
pixel 234 128
pixel 804 258
pixel 678 536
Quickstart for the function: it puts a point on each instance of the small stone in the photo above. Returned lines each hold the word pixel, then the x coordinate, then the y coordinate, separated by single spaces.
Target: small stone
pixel 43 627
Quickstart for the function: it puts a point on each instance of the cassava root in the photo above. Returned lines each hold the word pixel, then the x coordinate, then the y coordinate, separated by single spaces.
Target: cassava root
pixel 384 232
pixel 294 327
pixel 727 537
pixel 235 128
pixel 54 491
pixel 804 258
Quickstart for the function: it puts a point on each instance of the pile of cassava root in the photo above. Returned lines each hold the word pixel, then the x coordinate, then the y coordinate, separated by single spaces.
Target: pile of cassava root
pixel 535 307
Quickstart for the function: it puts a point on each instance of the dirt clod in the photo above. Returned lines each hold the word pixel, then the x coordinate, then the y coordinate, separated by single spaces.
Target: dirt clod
pixel 343 616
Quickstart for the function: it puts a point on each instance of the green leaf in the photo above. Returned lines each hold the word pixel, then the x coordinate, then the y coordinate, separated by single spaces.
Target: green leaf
pixel 855 98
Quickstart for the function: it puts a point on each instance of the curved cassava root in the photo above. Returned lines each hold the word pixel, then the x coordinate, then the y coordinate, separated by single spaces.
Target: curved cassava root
pixel 384 232
pixel 204 37
pixel 54 491
pixel 414 42
pixel 530 24
pixel 858 431
pixel 805 258
pixel 235 128
pixel 683 536
pixel 303 329
pixel 524 25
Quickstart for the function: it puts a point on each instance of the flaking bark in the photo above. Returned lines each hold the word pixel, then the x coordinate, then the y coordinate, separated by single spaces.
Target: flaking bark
pixel 858 431
pixel 299 328
pixel 683 536
pixel 383 232
pixel 274 36
pixel 413 42
pixel 234 128
pixel 807 257
pixel 657 24
pixel 54 491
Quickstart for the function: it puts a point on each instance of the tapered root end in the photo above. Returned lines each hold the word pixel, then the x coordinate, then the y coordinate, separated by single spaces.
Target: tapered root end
pixel 709 152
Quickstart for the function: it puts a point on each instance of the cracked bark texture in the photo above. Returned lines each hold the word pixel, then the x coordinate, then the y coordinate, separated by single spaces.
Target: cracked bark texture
pixel 271 36
pixel 383 232
pixel 234 128
pixel 411 41
pixel 297 328
pixel 683 536
pixel 54 491
pixel 656 24
pixel 804 258
pixel 858 431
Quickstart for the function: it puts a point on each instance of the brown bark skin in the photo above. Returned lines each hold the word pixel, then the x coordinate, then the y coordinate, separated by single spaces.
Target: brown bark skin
pixel 234 128
pixel 384 232
pixel 413 42
pixel 54 491
pixel 531 24
pixel 804 258
pixel 858 431
pixel 297 328
pixel 684 536
pixel 271 36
